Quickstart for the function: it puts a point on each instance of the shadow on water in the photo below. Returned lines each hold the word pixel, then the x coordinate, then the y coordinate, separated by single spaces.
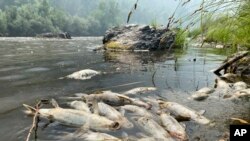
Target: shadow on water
pixel 30 68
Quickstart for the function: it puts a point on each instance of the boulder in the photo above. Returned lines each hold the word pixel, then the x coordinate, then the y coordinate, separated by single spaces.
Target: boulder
pixel 63 35
pixel 138 37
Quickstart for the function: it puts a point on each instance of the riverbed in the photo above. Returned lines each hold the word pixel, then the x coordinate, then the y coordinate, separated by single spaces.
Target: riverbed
pixel 30 68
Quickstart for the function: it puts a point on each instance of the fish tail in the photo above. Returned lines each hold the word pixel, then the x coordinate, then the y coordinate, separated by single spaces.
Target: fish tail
pixel 30 108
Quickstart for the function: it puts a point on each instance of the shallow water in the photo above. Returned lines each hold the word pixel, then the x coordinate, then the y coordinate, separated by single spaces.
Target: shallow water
pixel 30 68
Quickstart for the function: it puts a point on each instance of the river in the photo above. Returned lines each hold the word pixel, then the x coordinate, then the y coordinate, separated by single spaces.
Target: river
pixel 30 68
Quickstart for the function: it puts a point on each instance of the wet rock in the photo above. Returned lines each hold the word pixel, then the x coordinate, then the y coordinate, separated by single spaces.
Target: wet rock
pixel 138 37
pixel 63 35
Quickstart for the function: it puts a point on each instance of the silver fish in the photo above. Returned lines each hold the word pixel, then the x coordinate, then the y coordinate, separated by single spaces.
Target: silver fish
pixel 199 96
pixel 180 111
pixel 147 139
pixel 137 110
pixel 239 94
pixel 140 103
pixel 79 105
pixel 115 99
pixel 154 129
pixel 108 97
pixel 112 114
pixel 221 84
pixel 206 90
pixel 77 118
pixel 95 136
pixel 89 136
pixel 173 127
pixel 240 85
pixel 139 90
pixel 83 74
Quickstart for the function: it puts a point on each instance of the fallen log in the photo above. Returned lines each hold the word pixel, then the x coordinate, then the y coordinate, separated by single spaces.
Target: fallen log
pixel 230 61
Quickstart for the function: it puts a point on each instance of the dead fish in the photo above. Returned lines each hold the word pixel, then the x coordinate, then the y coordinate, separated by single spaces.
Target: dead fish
pixel 182 112
pixel 138 110
pixel 240 85
pixel 112 114
pixel 206 90
pixel 199 96
pixel 87 135
pixel 82 74
pixel 173 127
pixel 140 103
pixel 153 102
pixel 147 139
pixel 202 94
pixel 115 99
pixel 96 136
pixel 221 84
pixel 76 118
pixel 139 90
pixel 246 91
pixel 230 77
pixel 109 98
pixel 154 129
pixel 79 105
pixel 239 94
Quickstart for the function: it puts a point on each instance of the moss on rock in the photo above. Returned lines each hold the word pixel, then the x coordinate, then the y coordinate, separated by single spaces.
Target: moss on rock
pixel 115 45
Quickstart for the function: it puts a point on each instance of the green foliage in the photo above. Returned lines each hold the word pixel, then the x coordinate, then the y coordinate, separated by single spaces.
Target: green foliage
pixel 3 23
pixel 180 39
pixel 228 28
pixel 154 23
pixel 194 32
pixel 31 17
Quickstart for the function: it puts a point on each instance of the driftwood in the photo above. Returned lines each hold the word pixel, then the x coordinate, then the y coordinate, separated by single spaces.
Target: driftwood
pixel 230 62
pixel 36 119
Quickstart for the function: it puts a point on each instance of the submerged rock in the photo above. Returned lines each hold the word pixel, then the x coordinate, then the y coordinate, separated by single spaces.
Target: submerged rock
pixel 63 35
pixel 138 37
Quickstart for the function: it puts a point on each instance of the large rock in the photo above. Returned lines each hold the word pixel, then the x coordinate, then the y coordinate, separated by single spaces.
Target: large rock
pixel 138 37
pixel 63 35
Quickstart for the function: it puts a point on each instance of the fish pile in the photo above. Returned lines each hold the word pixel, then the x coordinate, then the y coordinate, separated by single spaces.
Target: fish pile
pixel 99 115
pixel 228 91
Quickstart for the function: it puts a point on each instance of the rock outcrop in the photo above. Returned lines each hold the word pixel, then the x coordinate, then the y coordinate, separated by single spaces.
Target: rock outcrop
pixel 63 35
pixel 138 37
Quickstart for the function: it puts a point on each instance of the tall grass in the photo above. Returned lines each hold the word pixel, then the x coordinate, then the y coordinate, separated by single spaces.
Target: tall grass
pixel 230 27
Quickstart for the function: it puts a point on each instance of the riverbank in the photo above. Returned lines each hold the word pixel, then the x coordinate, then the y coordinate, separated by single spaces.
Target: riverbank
pixel 30 68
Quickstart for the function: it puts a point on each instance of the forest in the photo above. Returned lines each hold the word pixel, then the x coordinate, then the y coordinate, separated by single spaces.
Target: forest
pixel 78 17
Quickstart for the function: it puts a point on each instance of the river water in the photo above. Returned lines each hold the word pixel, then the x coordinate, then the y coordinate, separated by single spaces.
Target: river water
pixel 30 68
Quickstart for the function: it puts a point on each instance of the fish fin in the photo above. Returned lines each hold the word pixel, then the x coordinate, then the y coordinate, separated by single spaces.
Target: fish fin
pixel 202 112
pixel 95 107
pixel 122 111
pixel 54 103
pixel 61 78
pixel 125 97
pixel 31 109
